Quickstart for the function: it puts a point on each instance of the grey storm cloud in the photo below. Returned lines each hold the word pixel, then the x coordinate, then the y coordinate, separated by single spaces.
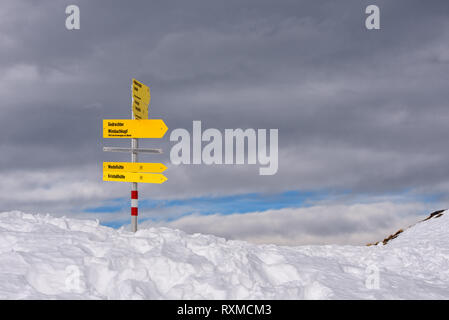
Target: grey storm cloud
pixel 356 110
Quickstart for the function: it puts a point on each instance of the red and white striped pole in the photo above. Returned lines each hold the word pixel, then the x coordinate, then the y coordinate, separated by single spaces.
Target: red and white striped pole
pixel 134 202
pixel 134 208
pixel 134 193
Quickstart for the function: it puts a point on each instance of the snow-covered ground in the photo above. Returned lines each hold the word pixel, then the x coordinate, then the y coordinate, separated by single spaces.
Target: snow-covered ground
pixel 44 257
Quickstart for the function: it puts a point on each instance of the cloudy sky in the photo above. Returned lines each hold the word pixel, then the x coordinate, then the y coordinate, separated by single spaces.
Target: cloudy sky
pixel 362 114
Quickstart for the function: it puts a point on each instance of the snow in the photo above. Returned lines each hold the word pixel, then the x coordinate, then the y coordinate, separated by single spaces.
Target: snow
pixel 43 257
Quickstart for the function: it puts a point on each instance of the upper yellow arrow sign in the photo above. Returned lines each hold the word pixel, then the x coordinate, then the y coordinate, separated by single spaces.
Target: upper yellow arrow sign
pixel 134 177
pixel 149 128
pixel 134 167
pixel 141 99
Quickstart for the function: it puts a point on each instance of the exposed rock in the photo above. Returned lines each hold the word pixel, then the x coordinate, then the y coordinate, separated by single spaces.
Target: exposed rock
pixel 435 214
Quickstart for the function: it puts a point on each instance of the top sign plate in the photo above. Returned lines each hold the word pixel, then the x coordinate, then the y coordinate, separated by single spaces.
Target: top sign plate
pixel 141 92
pixel 141 99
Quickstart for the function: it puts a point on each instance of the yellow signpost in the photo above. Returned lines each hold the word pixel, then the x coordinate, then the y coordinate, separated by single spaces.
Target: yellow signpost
pixel 141 91
pixel 141 99
pixel 138 127
pixel 150 128
pixel 133 177
pixel 134 167
pixel 140 110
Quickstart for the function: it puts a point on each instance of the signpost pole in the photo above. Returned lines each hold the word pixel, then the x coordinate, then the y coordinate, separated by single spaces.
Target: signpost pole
pixel 134 192
pixel 138 127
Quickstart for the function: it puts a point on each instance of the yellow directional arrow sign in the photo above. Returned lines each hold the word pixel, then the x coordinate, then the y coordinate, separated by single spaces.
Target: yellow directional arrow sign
pixel 134 177
pixel 150 128
pixel 133 167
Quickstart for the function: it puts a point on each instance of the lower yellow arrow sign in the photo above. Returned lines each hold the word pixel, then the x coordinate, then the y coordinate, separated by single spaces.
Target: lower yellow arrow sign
pixel 134 167
pixel 133 177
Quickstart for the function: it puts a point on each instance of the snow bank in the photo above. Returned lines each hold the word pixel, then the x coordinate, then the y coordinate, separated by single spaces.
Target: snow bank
pixel 43 257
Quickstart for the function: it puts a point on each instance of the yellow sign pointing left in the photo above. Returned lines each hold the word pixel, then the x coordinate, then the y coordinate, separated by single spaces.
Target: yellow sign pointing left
pixel 133 177
pixel 149 128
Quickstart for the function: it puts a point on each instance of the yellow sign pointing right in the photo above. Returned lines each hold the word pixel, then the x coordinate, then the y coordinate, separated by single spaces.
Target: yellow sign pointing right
pixel 150 128
pixel 134 177
pixel 134 167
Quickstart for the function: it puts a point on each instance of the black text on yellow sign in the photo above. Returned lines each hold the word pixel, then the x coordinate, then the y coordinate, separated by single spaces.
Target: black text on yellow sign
pixel 141 99
pixel 149 128
pixel 134 167
pixel 140 111
pixel 134 177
